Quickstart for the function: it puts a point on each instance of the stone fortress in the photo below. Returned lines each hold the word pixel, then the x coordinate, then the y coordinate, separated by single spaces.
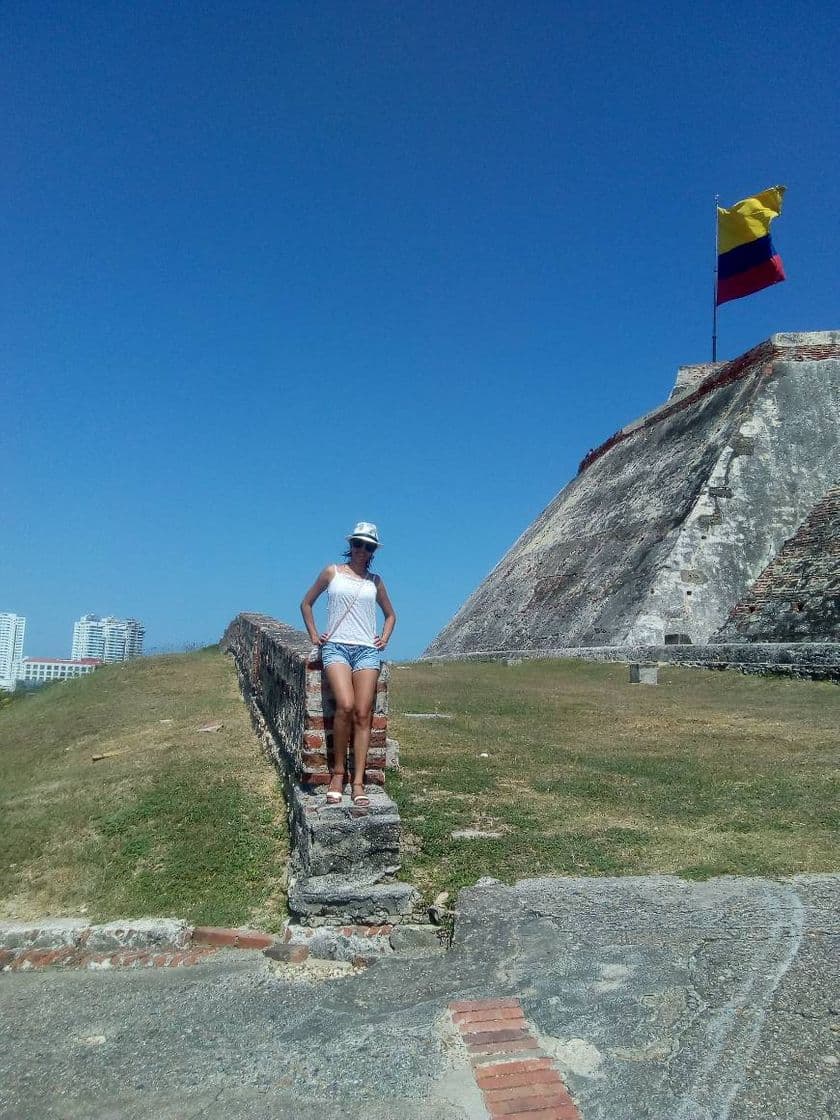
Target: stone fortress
pixel 712 521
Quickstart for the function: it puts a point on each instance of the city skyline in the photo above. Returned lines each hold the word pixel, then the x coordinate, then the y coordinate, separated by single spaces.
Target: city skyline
pixel 99 638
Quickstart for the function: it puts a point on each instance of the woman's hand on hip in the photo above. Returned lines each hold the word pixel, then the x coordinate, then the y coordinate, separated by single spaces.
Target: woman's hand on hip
pixel 380 642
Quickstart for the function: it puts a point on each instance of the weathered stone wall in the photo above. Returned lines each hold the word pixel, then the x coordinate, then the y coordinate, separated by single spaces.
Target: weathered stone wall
pixel 272 662
pixel 807 660
pixel 797 596
pixel 343 862
pixel 673 517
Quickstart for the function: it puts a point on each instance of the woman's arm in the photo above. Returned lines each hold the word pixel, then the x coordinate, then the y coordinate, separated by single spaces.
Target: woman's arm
pixel 315 591
pixel 382 599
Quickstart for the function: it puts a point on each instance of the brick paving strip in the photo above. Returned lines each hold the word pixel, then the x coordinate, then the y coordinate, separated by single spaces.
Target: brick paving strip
pixel 516 1078
pixel 166 945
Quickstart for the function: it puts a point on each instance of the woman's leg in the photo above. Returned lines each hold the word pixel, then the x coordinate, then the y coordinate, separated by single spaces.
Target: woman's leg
pixel 364 693
pixel 340 681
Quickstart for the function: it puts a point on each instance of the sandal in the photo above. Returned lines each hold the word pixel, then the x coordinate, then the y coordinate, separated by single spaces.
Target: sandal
pixel 335 796
pixel 360 800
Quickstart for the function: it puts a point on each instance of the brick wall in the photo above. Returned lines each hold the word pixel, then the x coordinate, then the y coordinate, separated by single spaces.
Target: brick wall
pixel 317 748
pixel 343 861
pixel 283 677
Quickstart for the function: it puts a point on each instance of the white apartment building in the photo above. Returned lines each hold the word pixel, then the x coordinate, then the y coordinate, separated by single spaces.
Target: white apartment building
pixel 12 627
pixel 107 639
pixel 42 670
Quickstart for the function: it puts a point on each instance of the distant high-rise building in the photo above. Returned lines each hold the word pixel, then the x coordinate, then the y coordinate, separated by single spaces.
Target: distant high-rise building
pixel 12 627
pixel 107 639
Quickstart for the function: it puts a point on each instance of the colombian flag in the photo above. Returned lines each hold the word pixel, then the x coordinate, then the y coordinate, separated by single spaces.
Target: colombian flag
pixel 747 261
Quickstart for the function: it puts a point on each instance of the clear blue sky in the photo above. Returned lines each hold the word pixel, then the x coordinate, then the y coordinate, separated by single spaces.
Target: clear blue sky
pixel 271 268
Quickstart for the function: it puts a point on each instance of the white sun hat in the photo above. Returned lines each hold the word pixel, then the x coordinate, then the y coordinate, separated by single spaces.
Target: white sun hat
pixel 365 531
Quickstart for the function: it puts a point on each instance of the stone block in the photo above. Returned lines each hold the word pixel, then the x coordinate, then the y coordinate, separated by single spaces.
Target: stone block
pixel 392 754
pixel 644 674
pixel 416 941
pixel 337 839
pixel 140 933
pixel 50 933
pixel 362 901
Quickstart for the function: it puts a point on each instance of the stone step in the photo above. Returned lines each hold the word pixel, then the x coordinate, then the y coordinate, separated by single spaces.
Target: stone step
pixel 364 900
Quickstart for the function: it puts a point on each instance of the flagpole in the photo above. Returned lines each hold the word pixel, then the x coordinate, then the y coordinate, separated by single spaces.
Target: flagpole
pixel 714 294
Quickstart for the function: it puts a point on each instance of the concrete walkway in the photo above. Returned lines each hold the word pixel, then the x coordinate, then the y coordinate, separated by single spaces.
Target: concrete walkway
pixel 653 998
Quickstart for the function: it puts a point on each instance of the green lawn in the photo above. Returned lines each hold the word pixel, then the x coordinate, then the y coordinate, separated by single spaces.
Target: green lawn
pixel 172 821
pixel 708 773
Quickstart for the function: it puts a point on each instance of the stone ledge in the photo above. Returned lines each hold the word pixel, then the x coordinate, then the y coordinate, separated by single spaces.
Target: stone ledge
pixel 331 899
pixel 810 660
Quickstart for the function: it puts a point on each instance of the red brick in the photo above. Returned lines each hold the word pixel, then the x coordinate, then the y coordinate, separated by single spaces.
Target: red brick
pixel 315 740
pixel 550 1112
pixel 538 1090
pixel 377 739
pixel 502 1047
pixel 471 1030
pixel 213 935
pixel 507 1069
pixel 314 760
pixel 50 957
pixel 124 957
pixel 252 939
pixel 528 1107
pixel 311 777
pixel 380 723
pixel 318 723
pixel 494 1013
pixel 232 938
pixel 482 1004
pixel 517 1080
pixel 6 957
pixel 160 960
pixel 375 777
pixel 502 1035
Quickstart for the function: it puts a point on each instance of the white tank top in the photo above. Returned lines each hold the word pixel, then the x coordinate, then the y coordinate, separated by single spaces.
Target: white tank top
pixel 351 617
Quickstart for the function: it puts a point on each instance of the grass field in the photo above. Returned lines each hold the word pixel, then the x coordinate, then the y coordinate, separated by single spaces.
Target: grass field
pixel 172 821
pixel 708 773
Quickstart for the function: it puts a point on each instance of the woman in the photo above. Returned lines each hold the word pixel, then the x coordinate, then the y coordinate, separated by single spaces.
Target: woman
pixel 351 652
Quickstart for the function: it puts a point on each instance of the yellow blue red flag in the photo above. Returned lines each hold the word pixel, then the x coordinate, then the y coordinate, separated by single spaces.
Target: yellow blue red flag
pixel 747 261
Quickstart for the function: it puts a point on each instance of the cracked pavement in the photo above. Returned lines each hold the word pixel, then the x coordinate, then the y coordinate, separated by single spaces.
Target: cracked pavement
pixel 656 998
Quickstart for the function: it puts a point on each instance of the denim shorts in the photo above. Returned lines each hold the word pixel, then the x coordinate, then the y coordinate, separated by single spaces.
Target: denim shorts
pixel 357 657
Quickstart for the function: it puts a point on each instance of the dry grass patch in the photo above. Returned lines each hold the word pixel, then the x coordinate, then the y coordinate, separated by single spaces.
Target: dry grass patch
pixel 708 773
pixel 171 820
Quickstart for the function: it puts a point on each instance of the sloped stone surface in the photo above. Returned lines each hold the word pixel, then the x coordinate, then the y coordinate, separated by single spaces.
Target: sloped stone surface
pixel 673 518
